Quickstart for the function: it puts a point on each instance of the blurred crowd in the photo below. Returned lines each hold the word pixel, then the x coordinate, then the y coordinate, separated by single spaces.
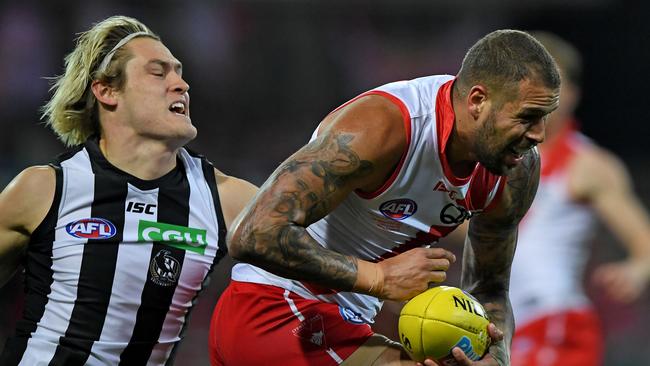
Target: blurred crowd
pixel 263 73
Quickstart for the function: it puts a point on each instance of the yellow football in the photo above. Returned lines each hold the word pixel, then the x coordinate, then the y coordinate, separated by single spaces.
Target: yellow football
pixel 441 318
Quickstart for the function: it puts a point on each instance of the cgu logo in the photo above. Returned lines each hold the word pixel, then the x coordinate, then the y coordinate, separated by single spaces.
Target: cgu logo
pixel 182 237
pixel 398 209
pixel 92 228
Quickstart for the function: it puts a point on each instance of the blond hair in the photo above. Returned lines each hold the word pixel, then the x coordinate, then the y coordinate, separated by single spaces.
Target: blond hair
pixel 72 110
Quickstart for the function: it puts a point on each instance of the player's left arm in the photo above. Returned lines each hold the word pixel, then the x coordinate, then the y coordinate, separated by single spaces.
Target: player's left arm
pixel 489 250
pixel 600 179
pixel 234 195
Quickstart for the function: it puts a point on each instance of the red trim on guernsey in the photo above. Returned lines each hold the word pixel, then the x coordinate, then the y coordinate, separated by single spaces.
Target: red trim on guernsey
pixel 482 181
pixel 441 231
pixel 343 106
pixel 351 101
pixel 317 289
pixel 407 128
pixel 445 117
pixel 480 187
pixel 558 153
pixel 497 196
pixel 421 239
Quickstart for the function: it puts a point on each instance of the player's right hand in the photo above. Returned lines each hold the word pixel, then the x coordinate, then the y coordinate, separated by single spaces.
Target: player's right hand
pixel 410 273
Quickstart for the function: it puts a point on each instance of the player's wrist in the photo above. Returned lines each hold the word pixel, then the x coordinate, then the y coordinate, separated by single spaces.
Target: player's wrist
pixel 370 278
pixel 500 353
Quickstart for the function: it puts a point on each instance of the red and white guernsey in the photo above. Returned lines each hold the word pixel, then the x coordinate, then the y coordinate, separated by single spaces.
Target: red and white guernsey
pixel 420 203
pixel 551 251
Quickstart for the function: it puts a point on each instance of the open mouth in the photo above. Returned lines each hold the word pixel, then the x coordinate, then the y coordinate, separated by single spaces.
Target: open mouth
pixel 178 108
pixel 517 153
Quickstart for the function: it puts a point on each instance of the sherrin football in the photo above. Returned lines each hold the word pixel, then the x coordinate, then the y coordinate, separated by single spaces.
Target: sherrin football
pixel 441 318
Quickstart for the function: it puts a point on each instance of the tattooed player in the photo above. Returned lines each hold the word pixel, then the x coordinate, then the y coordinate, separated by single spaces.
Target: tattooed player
pixel 342 222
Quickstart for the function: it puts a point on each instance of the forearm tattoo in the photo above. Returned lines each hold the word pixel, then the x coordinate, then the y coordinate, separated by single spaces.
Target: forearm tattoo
pixel 304 189
pixel 490 247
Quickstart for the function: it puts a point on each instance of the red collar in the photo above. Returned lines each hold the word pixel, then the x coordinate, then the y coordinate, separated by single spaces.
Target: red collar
pixel 445 118
pixel 556 155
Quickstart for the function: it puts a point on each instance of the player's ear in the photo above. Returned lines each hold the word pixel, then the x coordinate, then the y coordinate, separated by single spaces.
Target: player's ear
pixel 104 93
pixel 477 100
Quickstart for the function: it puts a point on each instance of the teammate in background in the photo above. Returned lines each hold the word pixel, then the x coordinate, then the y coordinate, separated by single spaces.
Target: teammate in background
pixel 579 183
pixel 117 236
pixel 387 173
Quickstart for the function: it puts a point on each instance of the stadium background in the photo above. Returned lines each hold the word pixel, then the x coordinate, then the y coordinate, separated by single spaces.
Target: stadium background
pixel 263 73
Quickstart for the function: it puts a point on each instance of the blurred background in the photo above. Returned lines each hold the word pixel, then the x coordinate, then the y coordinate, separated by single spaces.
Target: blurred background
pixel 264 73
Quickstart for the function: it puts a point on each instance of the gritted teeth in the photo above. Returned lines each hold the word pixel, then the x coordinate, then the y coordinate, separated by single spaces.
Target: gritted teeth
pixel 177 107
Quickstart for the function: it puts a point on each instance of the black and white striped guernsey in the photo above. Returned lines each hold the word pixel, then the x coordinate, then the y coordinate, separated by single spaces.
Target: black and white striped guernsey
pixel 113 270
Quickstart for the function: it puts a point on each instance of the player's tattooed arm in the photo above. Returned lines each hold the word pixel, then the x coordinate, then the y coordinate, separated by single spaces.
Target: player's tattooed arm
pixel 301 191
pixel 490 248
pixel 271 232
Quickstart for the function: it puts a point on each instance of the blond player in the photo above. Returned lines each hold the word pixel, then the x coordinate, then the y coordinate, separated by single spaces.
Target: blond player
pixel 118 235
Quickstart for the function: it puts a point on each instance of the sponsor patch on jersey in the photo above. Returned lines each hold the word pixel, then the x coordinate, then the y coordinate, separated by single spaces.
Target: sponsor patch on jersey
pixel 164 268
pixel 350 315
pixel 398 209
pixel 454 214
pixel 186 238
pixel 91 228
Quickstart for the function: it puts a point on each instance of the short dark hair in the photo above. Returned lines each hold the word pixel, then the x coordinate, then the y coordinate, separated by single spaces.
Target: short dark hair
pixel 505 57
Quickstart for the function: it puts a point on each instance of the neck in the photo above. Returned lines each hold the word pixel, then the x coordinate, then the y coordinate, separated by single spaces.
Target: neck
pixel 143 158
pixel 461 159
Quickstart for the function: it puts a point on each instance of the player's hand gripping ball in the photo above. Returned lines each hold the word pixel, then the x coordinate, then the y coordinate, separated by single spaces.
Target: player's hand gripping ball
pixel 441 318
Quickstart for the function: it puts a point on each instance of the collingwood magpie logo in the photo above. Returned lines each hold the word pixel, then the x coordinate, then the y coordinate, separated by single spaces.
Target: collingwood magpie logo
pixel 164 268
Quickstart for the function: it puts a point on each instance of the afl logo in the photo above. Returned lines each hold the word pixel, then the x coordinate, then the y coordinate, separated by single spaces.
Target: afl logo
pixel 398 209
pixel 92 228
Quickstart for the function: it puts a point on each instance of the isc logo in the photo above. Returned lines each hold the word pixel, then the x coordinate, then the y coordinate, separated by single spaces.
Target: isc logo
pixel 139 207
pixel 398 209
pixel 92 228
